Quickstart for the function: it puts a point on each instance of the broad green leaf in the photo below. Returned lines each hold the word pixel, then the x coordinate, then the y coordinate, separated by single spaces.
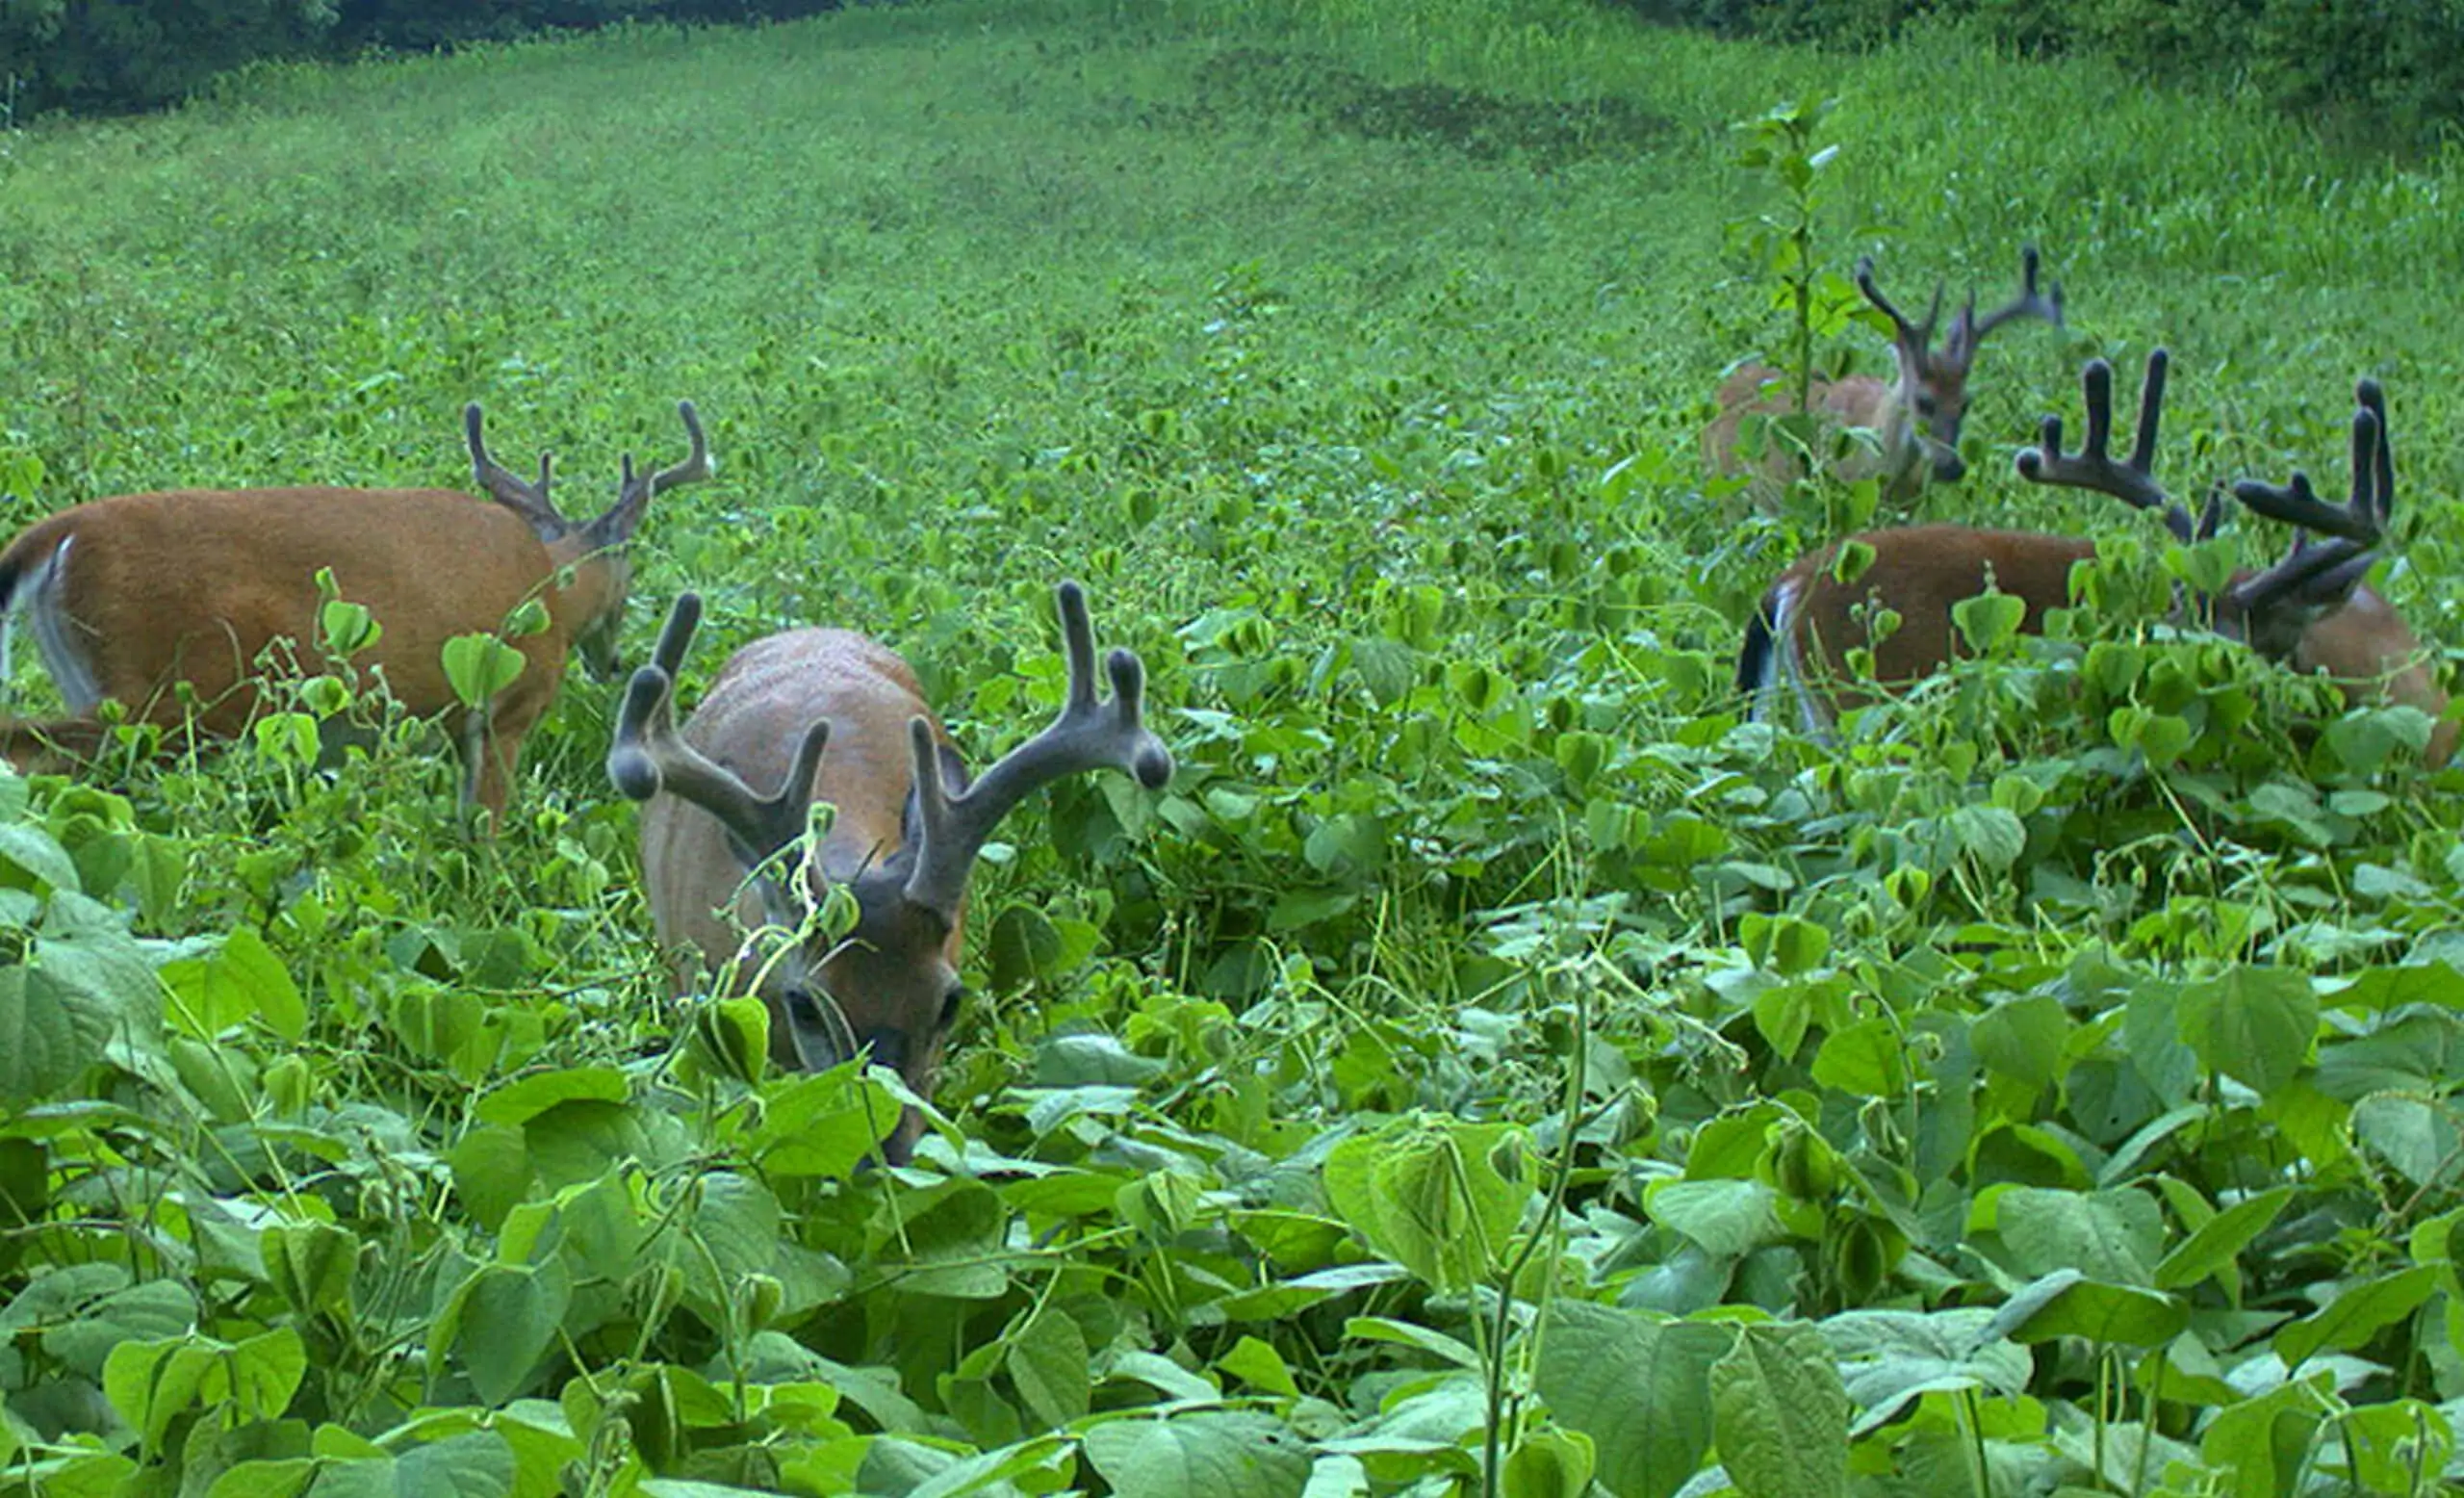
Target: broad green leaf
pixel 1638 1385
pixel 956 1244
pixel 2112 1235
pixel 736 1224
pixel 1047 1360
pixel 1260 1367
pixel 1083 1060
pixel 1727 1219
pixel 1404 1333
pixel 49 1033
pixel 310 1264
pixel 2023 1038
pixel 2219 1240
pixel 288 1478
pixel 1550 1463
pixel 2254 1024
pixel 1890 1357
pixel 824 1126
pixel 1430 1195
pixel 1200 1454
pixel 478 666
pixel 502 1322
pixel 490 1172
pixel 2385 1445
pixel 152 1383
pixel 87 1310
pixel 1783 943
pixel 476 1465
pixel 2066 1304
pixel 1990 835
pixel 1989 620
pixel 2410 1052
pixel 2264 1443
pixel 519 1101
pixel 38 852
pixel 1869 1059
pixel 2418 1135
pixel 1029 947
pixel 237 982
pixel 2356 1314
pixel 1780 1414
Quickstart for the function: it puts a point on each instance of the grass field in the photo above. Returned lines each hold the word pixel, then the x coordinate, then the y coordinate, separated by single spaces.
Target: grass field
pixel 1492 1065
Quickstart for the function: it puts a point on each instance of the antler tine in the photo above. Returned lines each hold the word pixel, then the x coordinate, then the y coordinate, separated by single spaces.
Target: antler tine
pixel 2027 304
pixel 2277 603
pixel 2362 520
pixel 2372 399
pixel 504 486
pixel 649 756
pixel 2093 467
pixel 697 466
pixel 1091 734
pixel 1917 336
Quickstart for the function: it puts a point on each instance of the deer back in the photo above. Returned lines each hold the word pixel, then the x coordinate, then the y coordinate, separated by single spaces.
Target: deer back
pixel 1810 617
pixel 751 721
pixel 130 594
pixel 889 984
pixel 1758 392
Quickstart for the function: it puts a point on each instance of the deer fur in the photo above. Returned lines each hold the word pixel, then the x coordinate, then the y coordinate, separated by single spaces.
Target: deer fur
pixel 129 598
pixel 830 716
pixel 2312 612
pixel 1914 416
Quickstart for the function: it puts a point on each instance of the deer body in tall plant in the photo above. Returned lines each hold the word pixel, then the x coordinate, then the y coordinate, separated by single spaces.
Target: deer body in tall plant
pixel 828 715
pixel 132 597
pixel 1914 416
pixel 2311 611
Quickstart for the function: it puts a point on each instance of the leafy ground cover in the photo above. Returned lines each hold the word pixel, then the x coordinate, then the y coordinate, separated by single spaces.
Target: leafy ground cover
pixel 1493 1065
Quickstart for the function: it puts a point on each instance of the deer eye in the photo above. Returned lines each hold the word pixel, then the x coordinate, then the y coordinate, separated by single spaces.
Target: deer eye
pixel 1927 405
pixel 951 1003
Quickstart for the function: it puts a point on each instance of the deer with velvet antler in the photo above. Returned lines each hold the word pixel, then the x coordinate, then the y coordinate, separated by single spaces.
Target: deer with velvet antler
pixel 2310 611
pixel 1914 416
pixel 165 602
pixel 828 715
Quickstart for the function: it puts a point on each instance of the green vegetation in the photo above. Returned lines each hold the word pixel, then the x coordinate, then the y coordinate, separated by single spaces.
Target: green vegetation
pixel 2380 72
pixel 1492 1065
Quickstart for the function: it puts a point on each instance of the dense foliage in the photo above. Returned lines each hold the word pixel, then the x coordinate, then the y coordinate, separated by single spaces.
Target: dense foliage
pixel 140 54
pixel 1492 1065
pixel 2378 68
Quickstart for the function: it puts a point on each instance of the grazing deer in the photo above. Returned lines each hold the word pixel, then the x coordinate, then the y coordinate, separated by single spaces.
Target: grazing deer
pixel 2310 610
pixel 1914 416
pixel 130 596
pixel 903 839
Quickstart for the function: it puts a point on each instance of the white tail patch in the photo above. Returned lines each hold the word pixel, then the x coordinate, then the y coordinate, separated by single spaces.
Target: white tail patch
pixel 41 596
pixel 1785 674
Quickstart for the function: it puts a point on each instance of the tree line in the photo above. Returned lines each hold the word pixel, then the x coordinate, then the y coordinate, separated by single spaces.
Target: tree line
pixel 108 56
pixel 2385 71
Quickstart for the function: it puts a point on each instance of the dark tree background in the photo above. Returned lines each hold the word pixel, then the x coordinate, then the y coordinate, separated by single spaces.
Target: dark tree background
pixel 2387 70
pixel 98 56
pixel 2392 70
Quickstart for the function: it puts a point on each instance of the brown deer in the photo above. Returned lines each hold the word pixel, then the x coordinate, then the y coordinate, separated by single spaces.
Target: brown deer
pixel 134 596
pixel 2310 610
pixel 904 838
pixel 1914 416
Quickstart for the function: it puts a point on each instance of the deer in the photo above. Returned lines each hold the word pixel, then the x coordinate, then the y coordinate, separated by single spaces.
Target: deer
pixel 833 716
pixel 2310 611
pixel 1914 416
pixel 165 602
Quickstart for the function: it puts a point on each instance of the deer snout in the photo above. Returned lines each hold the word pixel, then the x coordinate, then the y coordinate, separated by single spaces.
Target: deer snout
pixel 888 1048
pixel 1948 466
